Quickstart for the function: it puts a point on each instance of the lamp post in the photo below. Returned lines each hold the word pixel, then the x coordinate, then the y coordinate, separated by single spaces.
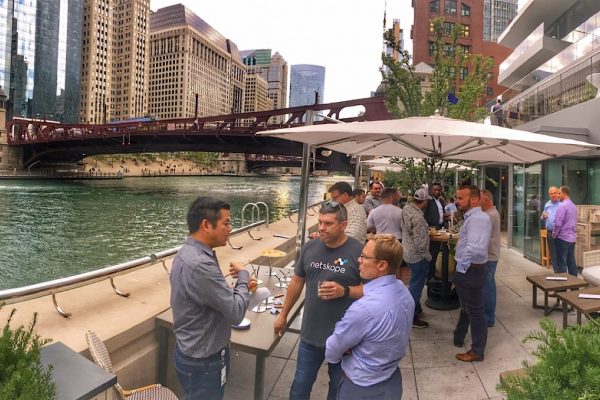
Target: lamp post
pixel 196 106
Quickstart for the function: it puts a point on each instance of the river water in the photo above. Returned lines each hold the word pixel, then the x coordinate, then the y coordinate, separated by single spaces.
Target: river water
pixel 54 229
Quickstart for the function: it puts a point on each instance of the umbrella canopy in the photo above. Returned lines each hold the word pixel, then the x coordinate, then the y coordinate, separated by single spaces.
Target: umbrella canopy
pixel 433 137
pixel 385 163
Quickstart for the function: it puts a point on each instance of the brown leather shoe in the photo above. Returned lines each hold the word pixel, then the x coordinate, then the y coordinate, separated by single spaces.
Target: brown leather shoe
pixel 469 356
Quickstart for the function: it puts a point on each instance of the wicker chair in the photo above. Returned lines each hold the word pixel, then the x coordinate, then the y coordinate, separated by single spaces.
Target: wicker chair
pixel 101 357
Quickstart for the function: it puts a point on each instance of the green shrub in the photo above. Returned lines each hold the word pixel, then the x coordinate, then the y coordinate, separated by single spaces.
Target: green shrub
pixel 22 375
pixel 568 365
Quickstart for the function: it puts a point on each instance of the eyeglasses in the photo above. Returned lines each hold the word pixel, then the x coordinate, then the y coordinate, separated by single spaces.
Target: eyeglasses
pixel 332 204
pixel 364 257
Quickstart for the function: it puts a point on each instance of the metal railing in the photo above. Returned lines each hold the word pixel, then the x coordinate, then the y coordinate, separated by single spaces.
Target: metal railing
pixel 63 284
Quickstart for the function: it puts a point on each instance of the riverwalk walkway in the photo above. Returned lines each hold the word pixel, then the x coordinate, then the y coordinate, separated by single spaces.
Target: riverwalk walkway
pixel 429 370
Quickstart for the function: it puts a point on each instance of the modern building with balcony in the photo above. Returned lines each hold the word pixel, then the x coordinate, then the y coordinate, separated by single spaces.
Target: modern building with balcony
pixel 554 69
pixel 307 84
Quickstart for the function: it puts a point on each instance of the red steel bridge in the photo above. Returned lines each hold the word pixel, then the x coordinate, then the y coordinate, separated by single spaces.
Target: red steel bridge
pixel 45 142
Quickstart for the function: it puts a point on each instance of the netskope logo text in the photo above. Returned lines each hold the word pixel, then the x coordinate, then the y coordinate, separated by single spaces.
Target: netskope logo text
pixel 329 267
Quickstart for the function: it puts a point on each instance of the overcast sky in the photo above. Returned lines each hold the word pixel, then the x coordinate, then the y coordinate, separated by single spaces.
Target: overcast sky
pixel 345 36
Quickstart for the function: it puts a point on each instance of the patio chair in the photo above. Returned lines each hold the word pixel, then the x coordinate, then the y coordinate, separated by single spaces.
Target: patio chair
pixel 100 355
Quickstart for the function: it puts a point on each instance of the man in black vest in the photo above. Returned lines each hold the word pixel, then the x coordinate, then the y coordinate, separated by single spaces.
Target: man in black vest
pixel 434 215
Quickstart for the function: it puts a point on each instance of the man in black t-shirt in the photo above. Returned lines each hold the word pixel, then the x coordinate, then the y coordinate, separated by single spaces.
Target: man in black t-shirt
pixel 333 262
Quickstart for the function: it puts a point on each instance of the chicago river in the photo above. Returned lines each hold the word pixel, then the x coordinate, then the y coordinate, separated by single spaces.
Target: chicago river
pixel 54 229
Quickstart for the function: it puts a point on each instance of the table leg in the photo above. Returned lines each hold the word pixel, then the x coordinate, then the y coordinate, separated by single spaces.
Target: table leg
pixel 565 310
pixel 546 310
pixel 534 296
pixel 163 356
pixel 259 377
pixel 445 260
pixel 578 317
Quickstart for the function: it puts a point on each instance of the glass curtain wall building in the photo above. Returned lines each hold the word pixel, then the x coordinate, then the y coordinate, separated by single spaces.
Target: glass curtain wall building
pixel 40 58
pixel 307 85
pixel 554 72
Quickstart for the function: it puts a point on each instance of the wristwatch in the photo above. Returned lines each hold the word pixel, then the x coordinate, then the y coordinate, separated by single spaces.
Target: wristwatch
pixel 346 291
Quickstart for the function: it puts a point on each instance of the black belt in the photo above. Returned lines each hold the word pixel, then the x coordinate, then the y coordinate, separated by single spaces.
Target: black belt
pixel 477 265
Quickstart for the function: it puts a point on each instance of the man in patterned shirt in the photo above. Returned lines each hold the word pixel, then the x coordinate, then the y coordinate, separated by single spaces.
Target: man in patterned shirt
pixel 357 220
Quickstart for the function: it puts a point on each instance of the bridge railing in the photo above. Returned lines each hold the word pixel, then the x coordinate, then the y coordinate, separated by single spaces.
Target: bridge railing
pixel 30 131
pixel 55 286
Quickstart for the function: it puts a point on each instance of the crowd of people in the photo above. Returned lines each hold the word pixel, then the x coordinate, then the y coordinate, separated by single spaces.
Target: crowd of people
pixel 358 315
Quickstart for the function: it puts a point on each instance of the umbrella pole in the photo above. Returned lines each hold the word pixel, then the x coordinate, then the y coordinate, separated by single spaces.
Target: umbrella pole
pixel 357 173
pixel 303 201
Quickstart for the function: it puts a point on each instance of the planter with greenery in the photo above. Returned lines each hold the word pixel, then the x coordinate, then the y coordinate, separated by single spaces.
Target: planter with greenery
pixel 567 366
pixel 22 375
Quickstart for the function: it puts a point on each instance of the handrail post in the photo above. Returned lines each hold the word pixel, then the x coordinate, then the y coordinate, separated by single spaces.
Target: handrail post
pixel 303 200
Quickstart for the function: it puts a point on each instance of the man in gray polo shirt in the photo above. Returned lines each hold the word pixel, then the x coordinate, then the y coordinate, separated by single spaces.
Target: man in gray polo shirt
pixel 204 305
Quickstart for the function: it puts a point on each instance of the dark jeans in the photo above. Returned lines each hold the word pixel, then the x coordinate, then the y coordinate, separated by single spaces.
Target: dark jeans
pixel 470 288
pixel 200 378
pixel 552 248
pixel 490 293
pixel 309 361
pixel 418 275
pixel 390 389
pixel 565 257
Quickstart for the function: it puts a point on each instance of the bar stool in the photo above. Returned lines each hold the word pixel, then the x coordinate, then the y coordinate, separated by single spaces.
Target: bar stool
pixel 544 249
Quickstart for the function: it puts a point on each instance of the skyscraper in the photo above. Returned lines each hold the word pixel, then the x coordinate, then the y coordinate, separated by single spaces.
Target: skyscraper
pixel 273 69
pixel 307 84
pixel 40 58
pixel 131 61
pixel 194 70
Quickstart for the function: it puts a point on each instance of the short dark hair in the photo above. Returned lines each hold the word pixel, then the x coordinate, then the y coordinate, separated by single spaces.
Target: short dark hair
pixel 388 193
pixel 358 192
pixel 341 188
pixel 437 184
pixel 334 207
pixel 565 190
pixel 473 190
pixel 205 208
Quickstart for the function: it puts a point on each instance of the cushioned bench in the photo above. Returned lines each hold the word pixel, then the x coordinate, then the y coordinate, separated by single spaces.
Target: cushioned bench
pixel 591 267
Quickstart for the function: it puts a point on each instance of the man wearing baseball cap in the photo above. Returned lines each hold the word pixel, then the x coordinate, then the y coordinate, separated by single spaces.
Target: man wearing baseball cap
pixel 415 241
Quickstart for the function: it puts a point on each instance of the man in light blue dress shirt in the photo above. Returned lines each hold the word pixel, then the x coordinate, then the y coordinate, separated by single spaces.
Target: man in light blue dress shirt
pixel 470 276
pixel 548 216
pixel 372 337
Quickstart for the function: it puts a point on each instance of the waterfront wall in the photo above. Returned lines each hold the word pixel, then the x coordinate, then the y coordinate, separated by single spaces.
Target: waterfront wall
pixel 127 325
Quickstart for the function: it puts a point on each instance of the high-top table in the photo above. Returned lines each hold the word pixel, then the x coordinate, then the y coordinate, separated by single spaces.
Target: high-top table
pixel 552 286
pixel 445 298
pixel 259 340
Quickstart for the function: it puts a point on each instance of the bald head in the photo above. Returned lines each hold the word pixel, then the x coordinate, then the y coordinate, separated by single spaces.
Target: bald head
pixel 553 193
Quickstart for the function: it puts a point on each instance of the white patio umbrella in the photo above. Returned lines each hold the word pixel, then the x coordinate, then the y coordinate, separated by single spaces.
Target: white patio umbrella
pixel 433 137
pixel 383 163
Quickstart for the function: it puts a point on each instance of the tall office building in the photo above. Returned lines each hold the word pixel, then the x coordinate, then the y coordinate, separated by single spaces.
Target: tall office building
pixel 40 58
pixel 96 61
pixel 497 15
pixel 131 61
pixel 194 70
pixel 255 95
pixel 468 13
pixel 273 69
pixel 307 84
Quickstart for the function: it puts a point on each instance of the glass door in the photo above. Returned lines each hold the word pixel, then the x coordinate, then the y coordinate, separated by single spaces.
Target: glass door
pixel 533 206
pixel 518 224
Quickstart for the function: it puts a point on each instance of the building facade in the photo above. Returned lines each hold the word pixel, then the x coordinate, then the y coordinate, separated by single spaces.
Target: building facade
pixel 497 15
pixel 96 61
pixel 553 71
pixel 40 58
pixel 307 85
pixel 130 61
pixel 469 14
pixel 194 70
pixel 255 96
pixel 274 70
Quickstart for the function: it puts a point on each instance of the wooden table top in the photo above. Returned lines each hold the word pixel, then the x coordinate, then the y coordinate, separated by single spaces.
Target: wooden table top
pixel 583 305
pixel 572 282
pixel 442 236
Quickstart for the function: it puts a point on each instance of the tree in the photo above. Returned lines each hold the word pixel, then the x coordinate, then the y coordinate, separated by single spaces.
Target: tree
pixel 404 97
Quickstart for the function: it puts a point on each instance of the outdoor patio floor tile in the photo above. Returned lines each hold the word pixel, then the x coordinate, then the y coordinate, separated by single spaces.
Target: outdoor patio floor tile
pixel 409 386
pixel 286 345
pixel 449 383
pixel 434 353
pixel 241 377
